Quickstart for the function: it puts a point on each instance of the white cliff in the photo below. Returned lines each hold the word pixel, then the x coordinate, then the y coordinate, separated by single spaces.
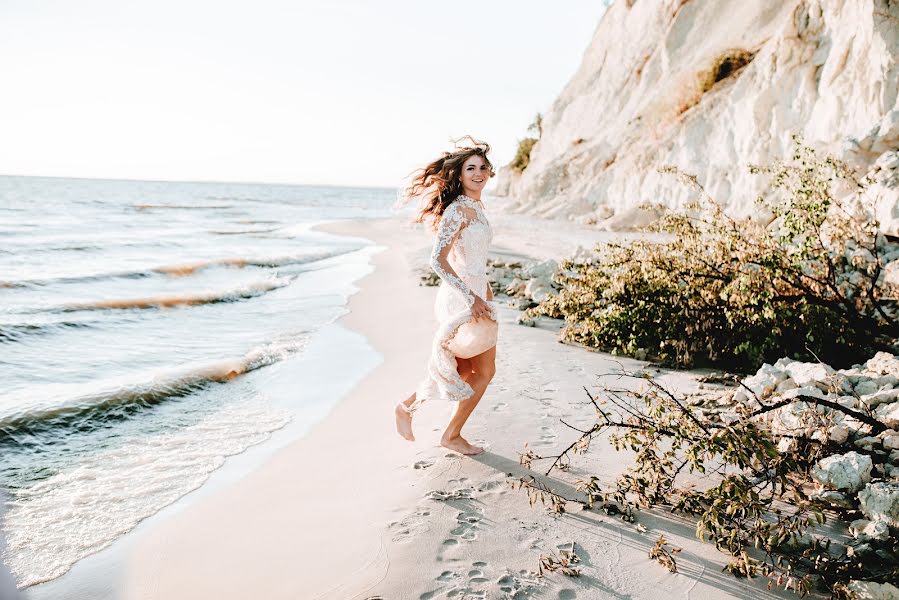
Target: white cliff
pixel 825 69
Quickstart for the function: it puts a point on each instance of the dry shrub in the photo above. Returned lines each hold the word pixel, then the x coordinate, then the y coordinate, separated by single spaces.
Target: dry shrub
pixel 737 292
pixel 523 154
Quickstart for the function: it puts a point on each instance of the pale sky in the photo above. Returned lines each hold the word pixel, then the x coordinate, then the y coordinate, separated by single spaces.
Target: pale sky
pixel 343 92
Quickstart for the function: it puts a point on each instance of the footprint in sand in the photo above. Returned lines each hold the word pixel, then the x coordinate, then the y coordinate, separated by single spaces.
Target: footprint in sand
pixel 467 525
pixel 500 407
pixel 424 464
pixel 520 584
pixel 548 436
pixel 405 530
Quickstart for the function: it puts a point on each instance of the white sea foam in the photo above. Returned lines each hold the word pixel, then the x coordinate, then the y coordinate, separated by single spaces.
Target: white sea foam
pixel 61 519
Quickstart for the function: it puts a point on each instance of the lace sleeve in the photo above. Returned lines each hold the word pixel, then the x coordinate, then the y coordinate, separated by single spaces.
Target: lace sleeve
pixel 453 221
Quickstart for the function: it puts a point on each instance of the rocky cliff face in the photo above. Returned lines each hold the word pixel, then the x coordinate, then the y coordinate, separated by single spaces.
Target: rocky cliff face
pixel 712 87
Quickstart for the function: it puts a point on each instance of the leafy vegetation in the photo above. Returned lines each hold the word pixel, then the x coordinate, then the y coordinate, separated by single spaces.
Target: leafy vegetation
pixel 523 154
pixel 522 157
pixel 757 507
pixel 736 293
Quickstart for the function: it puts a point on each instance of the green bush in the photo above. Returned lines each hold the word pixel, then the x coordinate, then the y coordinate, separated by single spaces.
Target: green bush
pixel 523 154
pixel 739 293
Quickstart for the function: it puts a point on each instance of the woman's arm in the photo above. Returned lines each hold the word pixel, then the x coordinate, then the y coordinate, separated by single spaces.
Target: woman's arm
pixel 452 222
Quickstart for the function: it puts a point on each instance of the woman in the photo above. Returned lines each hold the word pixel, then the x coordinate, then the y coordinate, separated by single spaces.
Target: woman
pixel 463 355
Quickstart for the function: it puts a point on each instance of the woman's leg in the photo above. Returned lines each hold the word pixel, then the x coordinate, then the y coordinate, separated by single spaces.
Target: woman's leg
pixel 404 417
pixel 483 368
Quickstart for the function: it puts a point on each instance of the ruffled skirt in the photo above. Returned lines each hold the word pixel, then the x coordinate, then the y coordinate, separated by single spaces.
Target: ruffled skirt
pixel 458 335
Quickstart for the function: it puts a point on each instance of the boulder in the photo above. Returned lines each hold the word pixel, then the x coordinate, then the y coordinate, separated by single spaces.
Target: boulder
pixel 880 502
pixel 883 363
pixel 811 374
pixel 869 590
pixel 880 397
pixel 858 526
pixel 838 434
pixel 831 497
pixel 850 471
pixel 889 414
pixel 877 530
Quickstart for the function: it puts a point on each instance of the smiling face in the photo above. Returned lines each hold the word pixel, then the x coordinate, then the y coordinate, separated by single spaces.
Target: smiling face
pixel 474 176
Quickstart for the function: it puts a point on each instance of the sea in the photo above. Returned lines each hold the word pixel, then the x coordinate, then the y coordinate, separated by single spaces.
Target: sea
pixel 143 327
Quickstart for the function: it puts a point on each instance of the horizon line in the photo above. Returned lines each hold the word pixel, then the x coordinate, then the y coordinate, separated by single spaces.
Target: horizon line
pixel 139 180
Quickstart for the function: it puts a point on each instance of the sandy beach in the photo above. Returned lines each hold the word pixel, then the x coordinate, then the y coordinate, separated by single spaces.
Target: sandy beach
pixel 351 510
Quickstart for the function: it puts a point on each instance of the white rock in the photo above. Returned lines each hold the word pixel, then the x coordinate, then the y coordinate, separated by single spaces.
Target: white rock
pixel 786 384
pixel 761 384
pixel 890 442
pixel 810 391
pixel 869 590
pixel 857 526
pixel 811 374
pixel 880 397
pixel 867 442
pixel 880 502
pixel 877 530
pixel 883 363
pixel 838 434
pixel 795 419
pixel 888 414
pixel 866 387
pixel 831 497
pixel 544 269
pixel 850 471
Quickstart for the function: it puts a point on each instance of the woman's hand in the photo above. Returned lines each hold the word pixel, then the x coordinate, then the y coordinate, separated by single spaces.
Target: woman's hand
pixel 480 308
pixel 489 292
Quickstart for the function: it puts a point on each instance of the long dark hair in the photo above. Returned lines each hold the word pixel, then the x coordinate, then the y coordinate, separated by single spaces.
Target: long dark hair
pixel 440 180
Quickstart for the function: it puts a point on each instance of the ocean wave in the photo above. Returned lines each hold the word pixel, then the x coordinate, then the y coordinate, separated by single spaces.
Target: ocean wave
pixel 71 513
pixel 182 206
pixel 11 333
pixel 188 268
pixel 85 406
pixel 242 231
pixel 187 299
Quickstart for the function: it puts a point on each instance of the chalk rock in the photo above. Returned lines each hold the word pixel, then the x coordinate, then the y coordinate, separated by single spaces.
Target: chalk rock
pixel 869 590
pixel 877 530
pixel 832 497
pixel 765 381
pixel 880 502
pixel 544 269
pixel 850 471
pixel 838 434
pixel 856 527
pixel 867 442
pixel 880 397
pixel 811 374
pixel 883 363
pixel 866 387
pixel 637 101
pixel 785 385
pixel 889 414
pixel 810 391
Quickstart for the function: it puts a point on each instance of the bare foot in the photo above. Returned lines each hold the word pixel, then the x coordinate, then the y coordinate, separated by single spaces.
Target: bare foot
pixel 403 422
pixel 460 445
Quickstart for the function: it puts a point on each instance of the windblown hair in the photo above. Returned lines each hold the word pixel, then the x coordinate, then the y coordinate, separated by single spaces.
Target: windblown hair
pixel 439 182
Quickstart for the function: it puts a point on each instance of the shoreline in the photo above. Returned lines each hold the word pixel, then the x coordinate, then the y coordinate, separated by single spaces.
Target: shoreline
pixel 351 510
pixel 99 575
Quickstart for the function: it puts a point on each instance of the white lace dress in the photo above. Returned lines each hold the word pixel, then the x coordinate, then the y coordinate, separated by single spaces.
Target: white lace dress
pixel 459 258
